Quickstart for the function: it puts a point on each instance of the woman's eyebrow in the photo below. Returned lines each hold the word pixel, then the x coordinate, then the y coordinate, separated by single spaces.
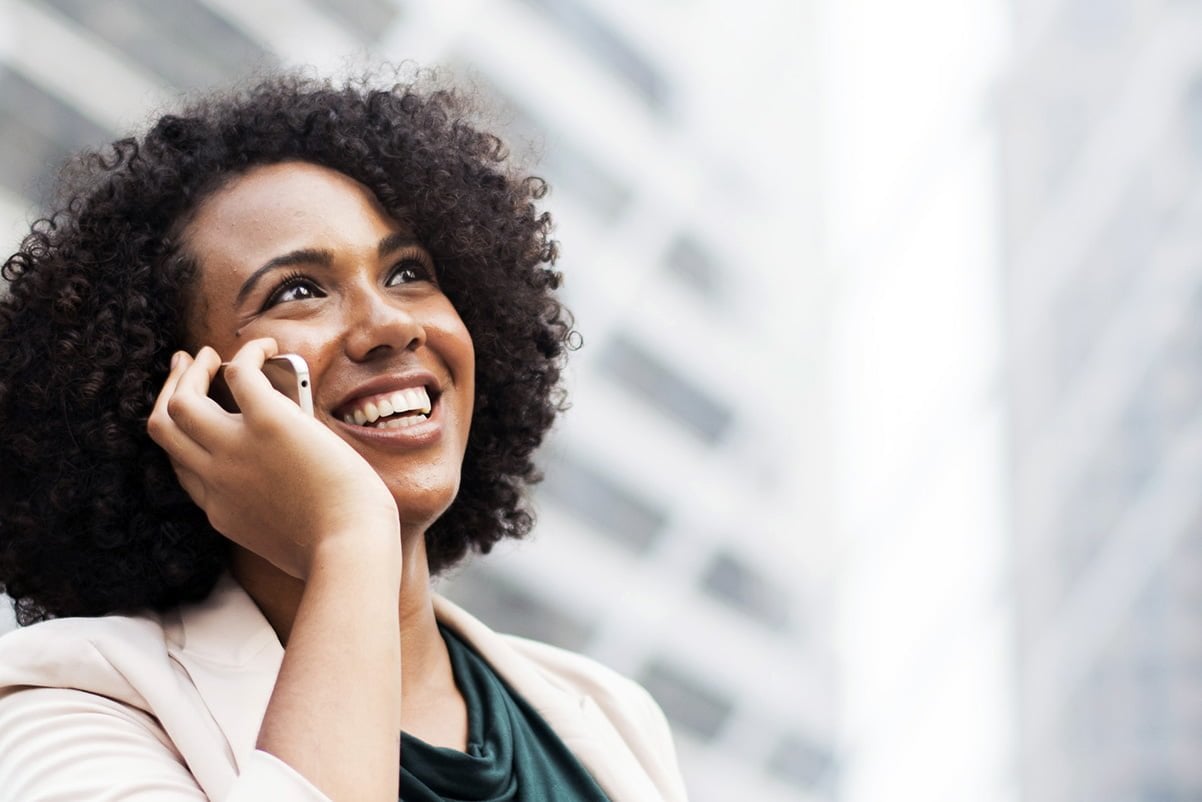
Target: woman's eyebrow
pixel 395 241
pixel 306 256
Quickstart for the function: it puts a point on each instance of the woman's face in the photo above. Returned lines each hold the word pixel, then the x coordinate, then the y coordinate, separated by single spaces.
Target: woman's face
pixel 307 255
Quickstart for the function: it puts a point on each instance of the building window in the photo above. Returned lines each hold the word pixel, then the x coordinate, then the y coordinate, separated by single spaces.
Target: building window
pixel 1192 116
pixel 570 169
pixel 608 47
pixel 38 132
pixel 1096 22
pixel 602 501
pixel 689 261
pixel 181 40
pixel 734 582
pixel 798 761
pixel 368 19
pixel 686 700
pixel 508 607
pixel 665 389
pixel 565 166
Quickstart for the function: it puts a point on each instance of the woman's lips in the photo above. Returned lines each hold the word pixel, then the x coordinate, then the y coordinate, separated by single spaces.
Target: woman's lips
pixel 408 404
pixel 418 431
pixel 405 386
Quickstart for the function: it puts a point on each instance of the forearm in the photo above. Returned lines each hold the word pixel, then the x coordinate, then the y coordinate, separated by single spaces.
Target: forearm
pixel 334 715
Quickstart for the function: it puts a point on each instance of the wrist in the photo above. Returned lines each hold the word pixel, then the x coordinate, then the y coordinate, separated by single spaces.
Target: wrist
pixel 375 552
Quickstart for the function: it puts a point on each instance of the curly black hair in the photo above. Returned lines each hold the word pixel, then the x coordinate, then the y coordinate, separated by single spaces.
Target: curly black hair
pixel 92 520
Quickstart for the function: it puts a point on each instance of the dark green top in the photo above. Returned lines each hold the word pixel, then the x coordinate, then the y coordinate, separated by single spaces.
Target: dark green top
pixel 512 755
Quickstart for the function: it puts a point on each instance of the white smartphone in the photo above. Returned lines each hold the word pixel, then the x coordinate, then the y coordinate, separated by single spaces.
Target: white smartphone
pixel 287 373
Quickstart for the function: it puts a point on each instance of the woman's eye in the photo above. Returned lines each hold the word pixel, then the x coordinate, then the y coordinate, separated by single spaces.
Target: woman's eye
pixel 409 271
pixel 296 288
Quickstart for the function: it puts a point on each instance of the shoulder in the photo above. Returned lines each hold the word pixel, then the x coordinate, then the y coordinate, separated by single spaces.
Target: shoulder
pixel 585 703
pixel 628 707
pixel 612 691
pixel 530 665
pixel 88 654
pixel 69 714
pixel 189 685
pixel 522 662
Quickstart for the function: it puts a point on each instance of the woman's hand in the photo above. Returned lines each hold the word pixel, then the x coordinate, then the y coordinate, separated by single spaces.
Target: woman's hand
pixel 280 484
pixel 270 478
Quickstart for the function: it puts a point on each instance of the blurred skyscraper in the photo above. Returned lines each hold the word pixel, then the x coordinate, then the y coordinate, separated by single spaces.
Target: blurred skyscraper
pixel 673 542
pixel 1102 131
pixel 924 616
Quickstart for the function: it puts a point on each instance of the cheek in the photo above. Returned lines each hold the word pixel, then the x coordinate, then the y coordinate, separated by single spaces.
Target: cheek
pixel 465 357
pixel 294 337
pixel 453 340
pixel 468 349
pixel 447 332
pixel 204 323
pixel 460 340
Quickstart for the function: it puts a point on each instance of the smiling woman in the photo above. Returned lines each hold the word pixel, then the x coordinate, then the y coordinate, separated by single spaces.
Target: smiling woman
pixel 241 601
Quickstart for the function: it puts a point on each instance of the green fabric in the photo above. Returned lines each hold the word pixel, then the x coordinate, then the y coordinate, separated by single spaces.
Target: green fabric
pixel 512 755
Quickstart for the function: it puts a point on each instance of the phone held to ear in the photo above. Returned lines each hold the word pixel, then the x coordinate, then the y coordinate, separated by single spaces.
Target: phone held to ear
pixel 287 373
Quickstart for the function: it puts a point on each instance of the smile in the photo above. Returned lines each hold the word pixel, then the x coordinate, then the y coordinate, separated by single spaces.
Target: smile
pixel 396 410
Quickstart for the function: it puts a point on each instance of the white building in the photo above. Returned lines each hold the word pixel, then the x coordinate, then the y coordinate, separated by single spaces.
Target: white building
pixel 925 659
pixel 1103 142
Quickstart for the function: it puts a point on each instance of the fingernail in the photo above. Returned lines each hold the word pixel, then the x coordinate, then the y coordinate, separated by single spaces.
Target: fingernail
pixel 175 359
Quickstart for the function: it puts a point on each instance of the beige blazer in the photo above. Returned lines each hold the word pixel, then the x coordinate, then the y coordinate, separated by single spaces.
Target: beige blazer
pixel 168 707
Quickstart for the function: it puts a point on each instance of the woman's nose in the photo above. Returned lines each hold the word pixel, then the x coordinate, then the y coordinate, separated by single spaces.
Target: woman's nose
pixel 378 325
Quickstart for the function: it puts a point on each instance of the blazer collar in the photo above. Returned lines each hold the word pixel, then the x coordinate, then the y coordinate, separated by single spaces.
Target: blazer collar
pixel 575 717
pixel 233 657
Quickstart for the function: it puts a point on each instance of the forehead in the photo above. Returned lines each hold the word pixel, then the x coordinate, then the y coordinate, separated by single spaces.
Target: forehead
pixel 278 208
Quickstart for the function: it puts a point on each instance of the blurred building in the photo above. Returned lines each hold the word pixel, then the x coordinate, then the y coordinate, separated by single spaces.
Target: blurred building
pixel 1102 131
pixel 674 543
pixel 924 639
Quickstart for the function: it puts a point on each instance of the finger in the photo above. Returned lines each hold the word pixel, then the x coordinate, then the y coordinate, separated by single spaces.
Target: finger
pixel 199 374
pixel 191 483
pixel 160 425
pixel 181 448
pixel 192 410
pixel 251 389
pixel 179 362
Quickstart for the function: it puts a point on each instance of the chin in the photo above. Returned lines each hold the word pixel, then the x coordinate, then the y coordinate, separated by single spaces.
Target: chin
pixel 419 508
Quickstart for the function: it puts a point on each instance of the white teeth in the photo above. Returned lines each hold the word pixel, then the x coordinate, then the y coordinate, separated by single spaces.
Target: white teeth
pixel 400 423
pixel 398 402
pixel 412 399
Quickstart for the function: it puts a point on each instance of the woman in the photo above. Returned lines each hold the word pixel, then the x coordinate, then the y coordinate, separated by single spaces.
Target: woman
pixel 240 602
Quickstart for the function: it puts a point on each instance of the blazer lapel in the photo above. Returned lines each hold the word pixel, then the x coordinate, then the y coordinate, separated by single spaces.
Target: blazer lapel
pixel 224 645
pixel 233 657
pixel 575 717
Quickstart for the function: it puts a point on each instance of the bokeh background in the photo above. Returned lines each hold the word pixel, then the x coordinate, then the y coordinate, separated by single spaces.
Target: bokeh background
pixel 882 467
